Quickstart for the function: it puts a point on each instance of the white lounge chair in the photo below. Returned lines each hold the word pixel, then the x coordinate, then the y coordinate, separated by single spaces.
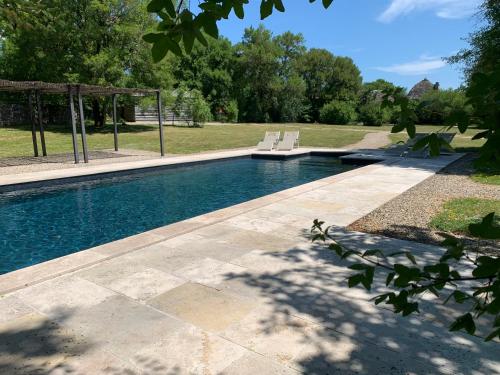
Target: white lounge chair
pixel 289 142
pixel 269 142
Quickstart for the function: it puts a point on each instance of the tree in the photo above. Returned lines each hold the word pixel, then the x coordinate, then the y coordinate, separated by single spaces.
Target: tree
pixel 210 70
pixel 436 106
pixel 256 76
pixel 337 112
pixel 90 41
pixel 328 78
pixel 291 103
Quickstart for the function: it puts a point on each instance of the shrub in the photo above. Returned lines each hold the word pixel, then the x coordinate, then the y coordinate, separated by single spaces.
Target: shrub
pixel 192 106
pixel 435 106
pixel 372 114
pixel 229 113
pixel 200 110
pixel 337 112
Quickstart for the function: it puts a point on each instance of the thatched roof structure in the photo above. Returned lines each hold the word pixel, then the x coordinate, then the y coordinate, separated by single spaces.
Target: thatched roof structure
pixel 421 88
pixel 62 88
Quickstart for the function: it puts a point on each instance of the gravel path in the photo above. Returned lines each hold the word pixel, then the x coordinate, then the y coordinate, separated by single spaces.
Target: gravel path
pixel 372 140
pixel 408 216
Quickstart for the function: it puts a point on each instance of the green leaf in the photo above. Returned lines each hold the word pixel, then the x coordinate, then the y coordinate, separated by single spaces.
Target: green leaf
pixel 188 39
pixel 464 322
pixel 266 9
pixel 156 5
pixel 278 4
pixel 210 27
pixel 327 3
pixel 238 10
pixel 151 37
pixel 160 49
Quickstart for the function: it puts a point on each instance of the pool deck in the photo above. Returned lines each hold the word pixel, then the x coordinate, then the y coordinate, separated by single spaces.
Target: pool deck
pixel 237 291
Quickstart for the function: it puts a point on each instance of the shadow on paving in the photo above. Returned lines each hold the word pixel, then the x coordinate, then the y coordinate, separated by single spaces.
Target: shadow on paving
pixel 36 345
pixel 39 346
pixel 353 336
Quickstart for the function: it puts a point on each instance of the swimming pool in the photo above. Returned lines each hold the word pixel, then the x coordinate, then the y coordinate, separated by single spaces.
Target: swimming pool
pixel 45 223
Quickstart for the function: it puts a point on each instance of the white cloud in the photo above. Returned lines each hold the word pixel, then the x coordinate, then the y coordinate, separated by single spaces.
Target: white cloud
pixel 450 9
pixel 424 65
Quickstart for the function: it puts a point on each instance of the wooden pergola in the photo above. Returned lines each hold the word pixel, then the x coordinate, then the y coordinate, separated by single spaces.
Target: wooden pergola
pixel 35 89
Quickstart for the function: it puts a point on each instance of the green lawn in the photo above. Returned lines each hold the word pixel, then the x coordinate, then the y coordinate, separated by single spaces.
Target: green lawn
pixel 179 140
pixel 457 214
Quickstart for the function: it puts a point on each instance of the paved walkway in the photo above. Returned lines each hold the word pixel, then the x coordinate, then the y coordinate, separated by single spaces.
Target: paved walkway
pixel 237 291
pixel 372 141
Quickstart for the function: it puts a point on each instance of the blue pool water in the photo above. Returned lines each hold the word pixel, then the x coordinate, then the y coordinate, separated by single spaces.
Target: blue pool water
pixel 45 223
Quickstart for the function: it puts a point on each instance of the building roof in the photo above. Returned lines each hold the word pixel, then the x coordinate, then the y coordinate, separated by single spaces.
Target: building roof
pixel 421 88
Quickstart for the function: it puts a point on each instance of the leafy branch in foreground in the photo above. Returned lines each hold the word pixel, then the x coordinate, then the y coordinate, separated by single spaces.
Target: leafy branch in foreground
pixel 481 287
pixel 179 26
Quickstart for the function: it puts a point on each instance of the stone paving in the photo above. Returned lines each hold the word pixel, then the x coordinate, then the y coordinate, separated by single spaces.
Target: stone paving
pixel 237 291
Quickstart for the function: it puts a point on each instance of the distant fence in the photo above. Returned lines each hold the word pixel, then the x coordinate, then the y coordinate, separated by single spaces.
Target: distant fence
pixel 169 117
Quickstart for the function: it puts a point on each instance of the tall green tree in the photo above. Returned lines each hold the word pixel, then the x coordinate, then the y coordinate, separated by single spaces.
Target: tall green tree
pixel 256 75
pixel 88 41
pixel 328 78
pixel 210 70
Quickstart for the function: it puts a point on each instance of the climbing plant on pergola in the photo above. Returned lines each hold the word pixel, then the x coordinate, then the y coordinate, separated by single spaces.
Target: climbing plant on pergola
pixel 35 90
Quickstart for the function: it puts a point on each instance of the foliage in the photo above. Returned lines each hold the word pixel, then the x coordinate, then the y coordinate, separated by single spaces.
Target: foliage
pixel 200 109
pixel 458 214
pixel 328 78
pixel 210 70
pixel 178 28
pixel 230 114
pixel 437 105
pixel 372 114
pixel 337 112
pixel 90 41
pixel 191 105
pixel 410 281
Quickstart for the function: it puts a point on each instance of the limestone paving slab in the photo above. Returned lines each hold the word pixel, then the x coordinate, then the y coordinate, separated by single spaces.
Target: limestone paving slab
pixel 205 307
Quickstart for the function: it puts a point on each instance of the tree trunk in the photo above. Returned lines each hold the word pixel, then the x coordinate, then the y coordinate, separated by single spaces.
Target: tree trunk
pixel 99 113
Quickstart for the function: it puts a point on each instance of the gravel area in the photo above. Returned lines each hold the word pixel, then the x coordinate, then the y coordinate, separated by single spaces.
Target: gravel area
pixel 408 216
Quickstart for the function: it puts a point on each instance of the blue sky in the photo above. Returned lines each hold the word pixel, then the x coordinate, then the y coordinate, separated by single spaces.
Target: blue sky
pixel 402 41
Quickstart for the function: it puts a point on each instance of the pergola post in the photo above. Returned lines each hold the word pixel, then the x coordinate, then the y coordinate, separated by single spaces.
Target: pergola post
pixel 73 125
pixel 158 103
pixel 33 124
pixel 115 122
pixel 40 121
pixel 82 124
